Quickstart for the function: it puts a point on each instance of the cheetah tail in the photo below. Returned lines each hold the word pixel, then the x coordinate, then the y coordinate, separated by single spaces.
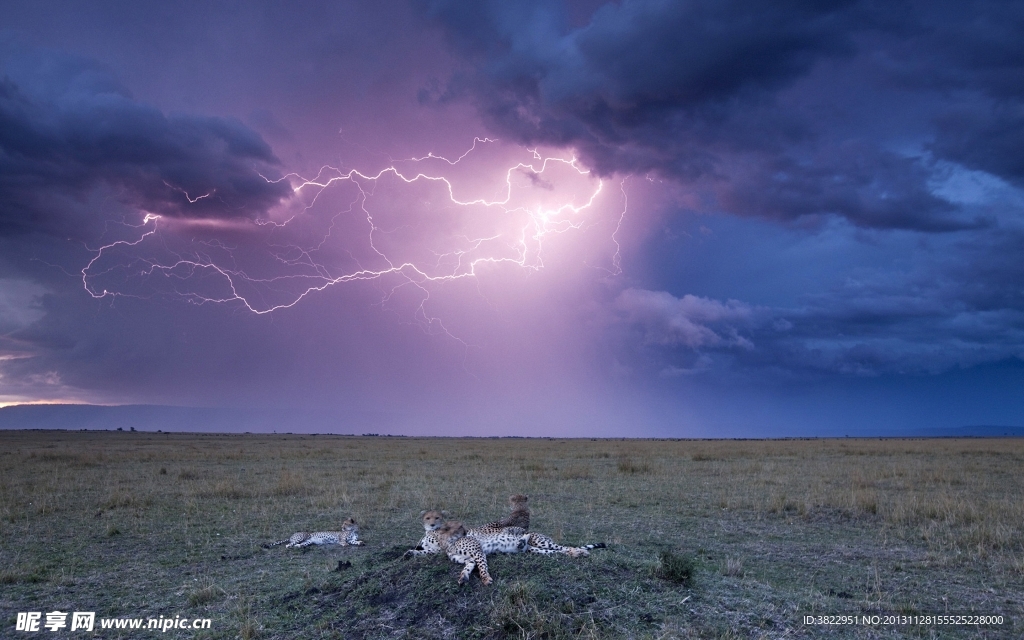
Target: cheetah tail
pixel 273 544
pixel 599 545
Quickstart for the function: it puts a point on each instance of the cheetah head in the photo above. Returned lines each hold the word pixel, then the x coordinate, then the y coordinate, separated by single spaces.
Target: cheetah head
pixel 349 525
pixel 517 502
pixel 451 531
pixel 432 520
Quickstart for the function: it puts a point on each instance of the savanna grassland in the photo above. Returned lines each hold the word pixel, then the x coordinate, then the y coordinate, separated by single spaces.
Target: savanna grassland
pixel 706 539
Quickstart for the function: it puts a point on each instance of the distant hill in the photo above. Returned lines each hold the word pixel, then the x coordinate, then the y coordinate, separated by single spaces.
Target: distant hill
pixel 197 419
pixel 164 418
pixel 979 431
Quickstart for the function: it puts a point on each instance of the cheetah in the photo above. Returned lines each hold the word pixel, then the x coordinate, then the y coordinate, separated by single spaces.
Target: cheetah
pixel 348 536
pixel 520 516
pixel 491 539
pixel 515 540
pixel 540 543
pixel 536 542
pixel 500 539
pixel 465 549
pixel 429 543
pixel 495 539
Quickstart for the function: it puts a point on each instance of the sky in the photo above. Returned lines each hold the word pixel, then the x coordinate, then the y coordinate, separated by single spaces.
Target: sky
pixel 636 218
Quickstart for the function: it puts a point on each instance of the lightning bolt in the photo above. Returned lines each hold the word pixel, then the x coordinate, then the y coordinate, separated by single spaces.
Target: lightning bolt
pixel 157 257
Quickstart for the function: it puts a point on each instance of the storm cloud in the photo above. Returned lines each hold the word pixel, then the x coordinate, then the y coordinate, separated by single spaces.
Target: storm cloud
pixel 729 98
pixel 812 207
pixel 72 140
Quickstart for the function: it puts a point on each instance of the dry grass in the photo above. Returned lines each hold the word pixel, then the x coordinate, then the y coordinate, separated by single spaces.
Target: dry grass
pixel 204 593
pixel 733 567
pixel 764 531
pixel 630 466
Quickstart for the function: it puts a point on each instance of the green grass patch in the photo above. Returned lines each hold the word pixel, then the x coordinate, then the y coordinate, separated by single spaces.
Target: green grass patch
pixel 676 568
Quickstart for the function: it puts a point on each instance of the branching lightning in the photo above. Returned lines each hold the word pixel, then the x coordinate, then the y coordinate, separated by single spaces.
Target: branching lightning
pixel 509 228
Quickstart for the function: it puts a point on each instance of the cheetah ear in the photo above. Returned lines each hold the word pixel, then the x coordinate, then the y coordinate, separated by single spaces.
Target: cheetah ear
pixel 423 513
pixel 445 513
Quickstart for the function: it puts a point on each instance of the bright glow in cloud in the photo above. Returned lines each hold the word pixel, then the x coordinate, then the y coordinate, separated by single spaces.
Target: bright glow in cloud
pixel 412 225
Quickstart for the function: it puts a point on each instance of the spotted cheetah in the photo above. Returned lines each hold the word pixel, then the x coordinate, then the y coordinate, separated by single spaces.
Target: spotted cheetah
pixel 465 549
pixel 540 543
pixel 491 539
pixel 515 539
pixel 429 543
pixel 520 516
pixel 500 539
pixel 495 539
pixel 349 535
pixel 536 542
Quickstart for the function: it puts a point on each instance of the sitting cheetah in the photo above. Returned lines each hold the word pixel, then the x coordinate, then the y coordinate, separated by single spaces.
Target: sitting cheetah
pixel 349 535
pixel 462 548
pixel 520 516
pixel 536 542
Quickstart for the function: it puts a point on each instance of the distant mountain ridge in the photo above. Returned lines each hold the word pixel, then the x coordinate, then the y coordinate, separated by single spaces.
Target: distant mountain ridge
pixel 979 431
pixel 75 417
pixel 195 419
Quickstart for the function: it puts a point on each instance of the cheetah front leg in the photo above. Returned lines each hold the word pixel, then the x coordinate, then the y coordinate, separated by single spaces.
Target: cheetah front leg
pixel 485 575
pixel 417 552
pixel 480 564
pixel 467 571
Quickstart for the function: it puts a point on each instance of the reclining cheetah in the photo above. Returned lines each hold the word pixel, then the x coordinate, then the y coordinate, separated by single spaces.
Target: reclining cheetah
pixel 491 539
pixel 462 548
pixel 429 543
pixel 495 539
pixel 516 539
pixel 536 542
pixel 349 535
pixel 540 543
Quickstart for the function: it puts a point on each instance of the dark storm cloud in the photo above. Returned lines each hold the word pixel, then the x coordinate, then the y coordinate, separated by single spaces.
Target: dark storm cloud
pixel 68 131
pixel 961 306
pixel 973 46
pixel 637 73
pixel 710 94
pixel 974 54
pixel 986 138
pixel 867 186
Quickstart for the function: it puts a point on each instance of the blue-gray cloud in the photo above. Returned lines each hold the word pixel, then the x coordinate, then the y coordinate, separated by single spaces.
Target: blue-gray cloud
pixel 731 97
pixel 645 84
pixel 958 306
pixel 70 132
